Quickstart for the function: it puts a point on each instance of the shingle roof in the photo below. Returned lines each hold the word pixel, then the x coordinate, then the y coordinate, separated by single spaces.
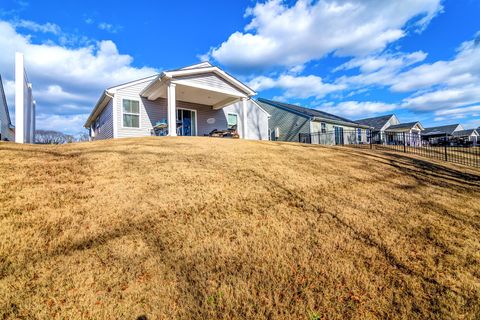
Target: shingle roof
pixel 448 129
pixel 307 111
pixel 408 125
pixel 464 133
pixel 376 123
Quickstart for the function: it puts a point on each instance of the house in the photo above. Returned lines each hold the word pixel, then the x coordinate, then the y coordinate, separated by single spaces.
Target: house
pixel 191 101
pixel 471 135
pixel 289 122
pixel 441 131
pixel 409 132
pixel 435 135
pixel 379 125
pixel 7 130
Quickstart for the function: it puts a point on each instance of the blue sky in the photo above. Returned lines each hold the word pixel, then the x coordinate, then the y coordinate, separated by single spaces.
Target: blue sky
pixel 419 59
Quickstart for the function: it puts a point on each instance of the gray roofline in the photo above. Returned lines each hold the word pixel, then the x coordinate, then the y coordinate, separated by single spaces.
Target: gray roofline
pixel 311 118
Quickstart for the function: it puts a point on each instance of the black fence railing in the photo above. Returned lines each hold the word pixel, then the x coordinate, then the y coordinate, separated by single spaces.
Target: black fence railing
pixel 461 150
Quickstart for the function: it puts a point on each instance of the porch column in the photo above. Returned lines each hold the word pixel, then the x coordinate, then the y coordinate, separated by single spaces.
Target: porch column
pixel 171 110
pixel 244 118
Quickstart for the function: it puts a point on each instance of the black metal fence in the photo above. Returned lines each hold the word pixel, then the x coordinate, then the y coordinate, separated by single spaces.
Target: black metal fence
pixel 459 150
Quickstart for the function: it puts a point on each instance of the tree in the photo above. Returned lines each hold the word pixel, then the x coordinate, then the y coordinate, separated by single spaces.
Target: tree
pixel 52 137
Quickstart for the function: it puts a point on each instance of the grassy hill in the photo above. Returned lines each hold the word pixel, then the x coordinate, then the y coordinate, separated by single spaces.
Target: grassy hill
pixel 198 228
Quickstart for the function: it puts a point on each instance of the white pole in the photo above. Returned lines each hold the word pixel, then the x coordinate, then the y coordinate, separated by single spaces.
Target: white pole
pixel 244 118
pixel 172 112
pixel 19 98
pixel 33 124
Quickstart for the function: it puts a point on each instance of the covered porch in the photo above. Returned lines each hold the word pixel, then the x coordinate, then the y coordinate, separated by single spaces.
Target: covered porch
pixel 200 98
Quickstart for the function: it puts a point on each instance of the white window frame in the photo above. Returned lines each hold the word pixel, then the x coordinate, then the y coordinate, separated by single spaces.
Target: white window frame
pixel 139 114
pixel 238 118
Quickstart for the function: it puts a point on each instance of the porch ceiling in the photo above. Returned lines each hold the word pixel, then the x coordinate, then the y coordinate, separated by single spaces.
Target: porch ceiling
pixel 210 97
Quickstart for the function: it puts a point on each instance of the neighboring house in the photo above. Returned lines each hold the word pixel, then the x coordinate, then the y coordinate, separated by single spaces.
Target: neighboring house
pixel 7 130
pixel 287 122
pixel 438 134
pixel 441 131
pixel 411 131
pixel 192 101
pixel 379 125
pixel 467 135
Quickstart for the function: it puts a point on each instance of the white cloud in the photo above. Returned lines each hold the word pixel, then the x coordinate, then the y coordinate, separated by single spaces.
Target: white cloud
pixel 109 27
pixel 458 111
pixel 66 81
pixel 296 86
pixel 379 69
pixel 444 98
pixel 384 61
pixel 284 35
pixel 37 27
pixel 464 68
pixel 360 109
pixel 63 123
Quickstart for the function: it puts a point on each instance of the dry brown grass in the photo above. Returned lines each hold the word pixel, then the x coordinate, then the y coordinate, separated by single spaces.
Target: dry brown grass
pixel 199 228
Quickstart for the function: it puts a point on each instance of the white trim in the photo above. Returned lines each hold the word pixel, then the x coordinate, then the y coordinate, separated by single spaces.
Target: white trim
pixel 131 83
pixel 171 109
pixel 115 116
pixel 389 124
pixel 133 114
pixel 204 64
pixel 218 71
pixel 244 120
pixel 19 99
pixel 208 88
pixel 260 107
pixel 235 114
pixel 196 119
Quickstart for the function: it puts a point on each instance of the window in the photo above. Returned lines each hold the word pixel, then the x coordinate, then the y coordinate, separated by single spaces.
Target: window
pixel 359 135
pixel 232 121
pixel 323 127
pixel 131 114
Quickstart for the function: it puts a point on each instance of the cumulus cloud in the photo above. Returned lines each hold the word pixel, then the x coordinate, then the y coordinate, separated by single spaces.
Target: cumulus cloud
pixel 38 27
pixel 444 98
pixel 66 81
pixel 296 86
pixel 359 109
pixel 464 68
pixel 458 113
pixel 109 27
pixel 282 35
pixel 381 69
pixel 62 123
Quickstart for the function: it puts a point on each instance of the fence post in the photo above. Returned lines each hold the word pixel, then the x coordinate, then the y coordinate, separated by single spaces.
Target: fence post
pixel 404 143
pixel 445 147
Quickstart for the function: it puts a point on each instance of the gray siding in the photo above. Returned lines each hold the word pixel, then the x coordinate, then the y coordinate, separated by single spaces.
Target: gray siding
pixel 350 134
pixel 209 80
pixel 208 119
pixel 257 120
pixel 150 111
pixel 290 124
pixel 5 131
pixel 105 130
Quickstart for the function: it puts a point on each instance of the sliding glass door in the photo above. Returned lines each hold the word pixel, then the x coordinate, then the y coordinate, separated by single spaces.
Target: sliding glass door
pixel 186 122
